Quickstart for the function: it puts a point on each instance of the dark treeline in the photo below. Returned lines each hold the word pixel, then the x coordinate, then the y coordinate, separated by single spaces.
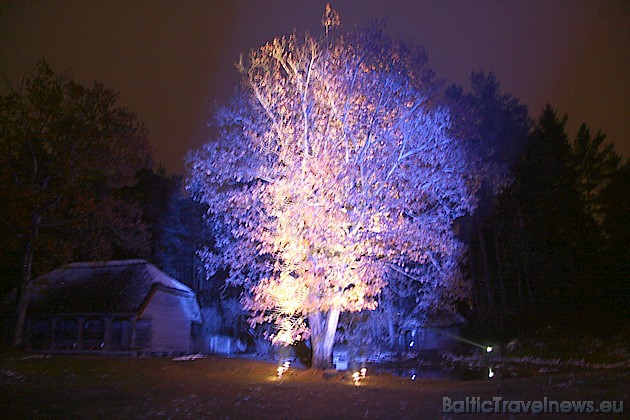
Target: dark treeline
pixel 548 241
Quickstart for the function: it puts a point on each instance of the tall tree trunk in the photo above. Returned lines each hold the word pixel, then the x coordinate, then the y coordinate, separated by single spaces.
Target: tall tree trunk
pixel 485 264
pixel 500 280
pixel 521 295
pixel 27 270
pixel 323 337
pixel 528 284
pixel 526 258
pixel 391 332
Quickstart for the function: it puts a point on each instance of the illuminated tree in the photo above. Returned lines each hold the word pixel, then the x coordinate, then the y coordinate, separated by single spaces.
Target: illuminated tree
pixel 331 171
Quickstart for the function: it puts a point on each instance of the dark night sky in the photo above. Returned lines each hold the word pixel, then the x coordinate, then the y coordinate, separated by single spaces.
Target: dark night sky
pixel 170 60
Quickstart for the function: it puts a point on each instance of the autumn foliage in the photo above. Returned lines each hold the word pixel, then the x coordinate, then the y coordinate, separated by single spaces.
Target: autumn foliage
pixel 332 170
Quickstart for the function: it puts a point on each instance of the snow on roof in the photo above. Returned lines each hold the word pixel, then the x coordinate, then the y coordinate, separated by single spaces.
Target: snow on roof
pixel 102 287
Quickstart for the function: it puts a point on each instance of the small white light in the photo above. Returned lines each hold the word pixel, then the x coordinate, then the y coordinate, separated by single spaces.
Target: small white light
pixel 490 373
pixel 363 372
pixel 280 371
pixel 488 349
pixel 412 343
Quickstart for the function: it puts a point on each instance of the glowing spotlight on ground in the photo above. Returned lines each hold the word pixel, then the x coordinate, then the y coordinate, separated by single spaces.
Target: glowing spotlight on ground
pixel 488 349
pixel 282 369
pixel 363 372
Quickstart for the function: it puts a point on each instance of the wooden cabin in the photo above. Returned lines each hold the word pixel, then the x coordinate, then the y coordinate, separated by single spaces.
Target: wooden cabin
pixel 113 307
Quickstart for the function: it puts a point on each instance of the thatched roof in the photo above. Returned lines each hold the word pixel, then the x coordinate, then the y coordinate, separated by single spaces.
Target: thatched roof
pixel 439 319
pixel 102 287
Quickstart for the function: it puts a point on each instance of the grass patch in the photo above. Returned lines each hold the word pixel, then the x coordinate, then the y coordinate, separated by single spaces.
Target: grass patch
pixel 117 387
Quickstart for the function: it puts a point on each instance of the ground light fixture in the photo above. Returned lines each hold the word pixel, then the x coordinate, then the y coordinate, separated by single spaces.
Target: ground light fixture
pixel 487 348
pixel 282 369
pixel 359 375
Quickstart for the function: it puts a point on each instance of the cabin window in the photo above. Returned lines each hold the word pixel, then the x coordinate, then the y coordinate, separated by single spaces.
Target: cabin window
pixel 39 331
pixel 143 333
pixel 121 333
pixel 66 329
pixel 94 329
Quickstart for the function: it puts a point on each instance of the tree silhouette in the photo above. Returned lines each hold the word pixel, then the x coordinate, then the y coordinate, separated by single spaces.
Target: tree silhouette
pixel 595 164
pixel 494 127
pixel 65 151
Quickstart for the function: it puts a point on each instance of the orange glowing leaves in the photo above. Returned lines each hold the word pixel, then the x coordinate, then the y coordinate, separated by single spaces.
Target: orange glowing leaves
pixel 332 166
